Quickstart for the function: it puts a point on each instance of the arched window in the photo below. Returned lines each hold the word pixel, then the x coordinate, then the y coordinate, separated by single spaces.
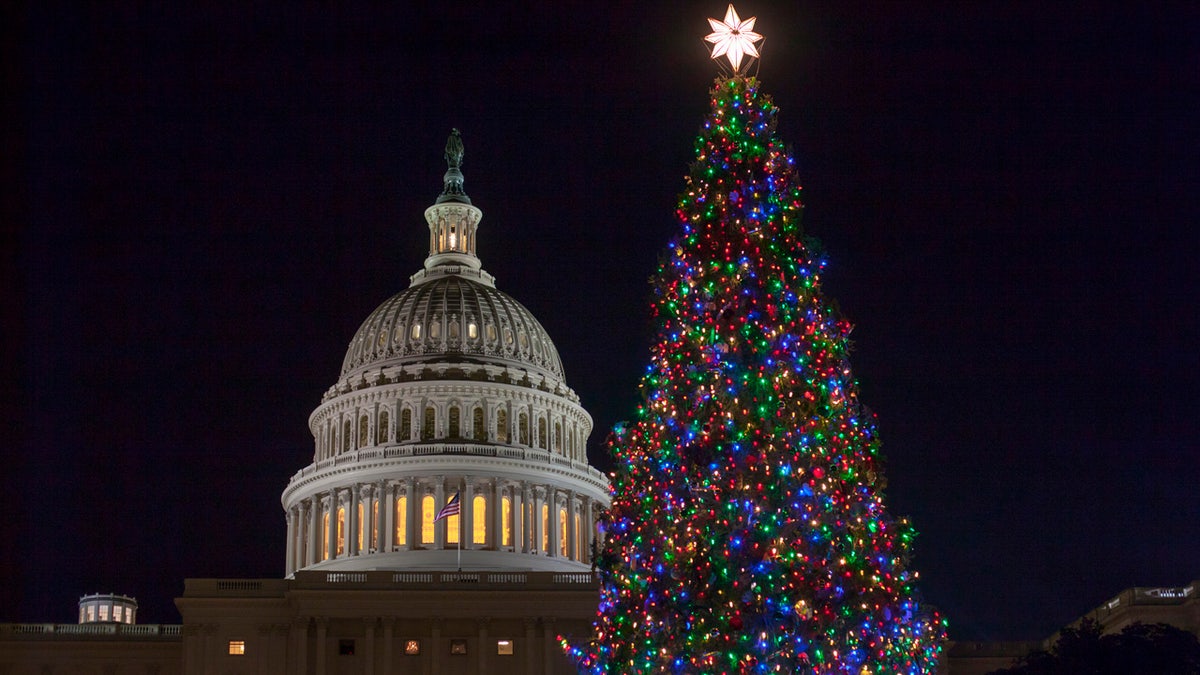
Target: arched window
pixel 523 428
pixel 562 531
pixel 427 514
pixel 477 431
pixel 381 432
pixel 454 431
pixel 545 528
pixel 541 439
pixel 523 340
pixel 435 328
pixel 346 436
pixel 325 536
pixel 401 518
pixel 472 331
pixel 452 329
pixel 362 431
pixel 405 433
pixel 416 331
pixel 479 520
pixel 358 526
pixel 341 531
pixel 508 335
pixel 427 425
pixel 491 332
pixel 558 437
pixel 506 521
pixel 502 425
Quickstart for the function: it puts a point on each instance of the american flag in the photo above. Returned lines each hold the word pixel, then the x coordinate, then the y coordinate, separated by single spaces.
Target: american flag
pixel 450 509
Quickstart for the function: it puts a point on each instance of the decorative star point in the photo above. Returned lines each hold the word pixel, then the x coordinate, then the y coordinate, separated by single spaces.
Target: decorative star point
pixel 733 38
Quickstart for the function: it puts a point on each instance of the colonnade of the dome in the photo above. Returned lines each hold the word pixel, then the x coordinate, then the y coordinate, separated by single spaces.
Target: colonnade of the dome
pixel 398 516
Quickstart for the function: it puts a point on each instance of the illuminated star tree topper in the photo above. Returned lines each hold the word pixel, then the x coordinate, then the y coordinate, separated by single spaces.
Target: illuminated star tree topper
pixel 733 38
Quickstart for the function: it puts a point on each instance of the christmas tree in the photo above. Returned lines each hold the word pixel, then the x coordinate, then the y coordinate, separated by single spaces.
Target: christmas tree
pixel 748 532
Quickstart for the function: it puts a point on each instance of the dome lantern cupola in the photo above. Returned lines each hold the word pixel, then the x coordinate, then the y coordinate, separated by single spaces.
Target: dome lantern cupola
pixel 452 219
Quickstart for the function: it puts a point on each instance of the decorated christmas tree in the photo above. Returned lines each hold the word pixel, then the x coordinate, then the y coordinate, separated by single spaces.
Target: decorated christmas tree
pixel 748 532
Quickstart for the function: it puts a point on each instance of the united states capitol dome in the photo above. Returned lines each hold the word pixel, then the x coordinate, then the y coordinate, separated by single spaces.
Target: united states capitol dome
pixel 450 439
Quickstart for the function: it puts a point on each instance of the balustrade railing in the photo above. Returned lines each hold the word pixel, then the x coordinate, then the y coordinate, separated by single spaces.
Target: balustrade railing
pixel 75 631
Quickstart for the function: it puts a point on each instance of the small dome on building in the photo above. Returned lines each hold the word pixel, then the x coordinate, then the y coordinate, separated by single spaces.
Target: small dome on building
pixel 107 608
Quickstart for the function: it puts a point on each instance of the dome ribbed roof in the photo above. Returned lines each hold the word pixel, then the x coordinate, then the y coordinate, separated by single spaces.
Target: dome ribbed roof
pixel 450 319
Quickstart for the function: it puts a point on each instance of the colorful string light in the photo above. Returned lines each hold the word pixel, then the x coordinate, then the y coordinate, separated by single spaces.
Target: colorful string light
pixel 748 532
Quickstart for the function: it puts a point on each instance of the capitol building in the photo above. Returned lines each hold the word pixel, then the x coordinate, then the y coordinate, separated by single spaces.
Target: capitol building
pixel 448 519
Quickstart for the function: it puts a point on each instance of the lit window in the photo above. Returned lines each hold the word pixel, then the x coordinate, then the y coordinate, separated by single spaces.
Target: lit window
pixel 452 416
pixel 402 520
pixel 237 647
pixel 479 520
pixel 458 646
pixel 91 612
pixel 506 520
pixel 118 613
pixel 523 340
pixel 416 331
pixel 412 647
pixel 376 526
pixel 383 335
pixel 362 508
pixel 508 336
pixel 504 647
pixel 82 614
pixel 546 528
pixel 427 515
pixel 491 332
pixel 472 330
pixel 562 532
pixel 325 537
pixel 399 334
pixel 341 531
pixel 435 328
pixel 104 612
pixel 453 240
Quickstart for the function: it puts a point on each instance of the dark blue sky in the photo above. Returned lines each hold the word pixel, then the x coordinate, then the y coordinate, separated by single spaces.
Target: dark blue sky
pixel 203 204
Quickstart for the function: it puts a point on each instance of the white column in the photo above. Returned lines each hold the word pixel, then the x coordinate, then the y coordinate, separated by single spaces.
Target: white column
pixel 369 525
pixel 331 510
pixel 552 549
pixel 314 519
pixel 572 534
pixel 410 516
pixel 467 511
pixel 496 538
pixel 439 496
pixel 387 515
pixel 290 563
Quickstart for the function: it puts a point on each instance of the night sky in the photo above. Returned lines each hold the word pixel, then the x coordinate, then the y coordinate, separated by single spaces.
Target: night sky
pixel 201 206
